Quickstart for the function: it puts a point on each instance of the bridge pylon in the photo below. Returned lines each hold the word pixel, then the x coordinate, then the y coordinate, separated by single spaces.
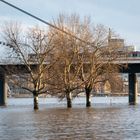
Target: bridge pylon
pixel 132 89
pixel 3 89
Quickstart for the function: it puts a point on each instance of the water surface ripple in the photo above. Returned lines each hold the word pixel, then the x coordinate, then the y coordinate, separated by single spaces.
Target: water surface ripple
pixel 112 121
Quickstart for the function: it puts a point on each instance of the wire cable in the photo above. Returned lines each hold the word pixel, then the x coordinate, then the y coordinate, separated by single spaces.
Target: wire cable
pixel 43 21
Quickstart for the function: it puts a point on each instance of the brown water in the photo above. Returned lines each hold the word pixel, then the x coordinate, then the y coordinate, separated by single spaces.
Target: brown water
pixel 104 121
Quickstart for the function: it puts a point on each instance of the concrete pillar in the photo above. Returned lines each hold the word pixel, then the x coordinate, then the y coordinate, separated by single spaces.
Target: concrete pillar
pixel 3 90
pixel 132 89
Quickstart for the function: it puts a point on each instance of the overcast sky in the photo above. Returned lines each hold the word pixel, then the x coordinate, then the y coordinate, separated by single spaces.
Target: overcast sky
pixel 123 16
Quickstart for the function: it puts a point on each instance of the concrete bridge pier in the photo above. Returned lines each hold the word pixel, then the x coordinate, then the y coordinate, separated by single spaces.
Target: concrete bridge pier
pixel 132 89
pixel 3 90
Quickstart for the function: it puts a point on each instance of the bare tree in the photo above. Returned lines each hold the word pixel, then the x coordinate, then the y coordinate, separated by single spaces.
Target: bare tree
pixel 98 58
pixel 68 49
pixel 32 48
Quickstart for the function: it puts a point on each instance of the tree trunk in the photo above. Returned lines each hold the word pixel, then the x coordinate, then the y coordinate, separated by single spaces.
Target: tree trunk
pixel 69 98
pixel 88 96
pixel 36 102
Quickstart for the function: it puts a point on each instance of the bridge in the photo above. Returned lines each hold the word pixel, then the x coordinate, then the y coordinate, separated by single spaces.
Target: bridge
pixel 133 63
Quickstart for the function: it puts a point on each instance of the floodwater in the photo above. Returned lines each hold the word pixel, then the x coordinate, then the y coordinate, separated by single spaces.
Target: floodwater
pixel 109 118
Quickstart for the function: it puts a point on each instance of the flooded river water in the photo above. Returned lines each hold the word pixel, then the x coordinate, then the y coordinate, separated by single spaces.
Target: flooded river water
pixel 108 119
